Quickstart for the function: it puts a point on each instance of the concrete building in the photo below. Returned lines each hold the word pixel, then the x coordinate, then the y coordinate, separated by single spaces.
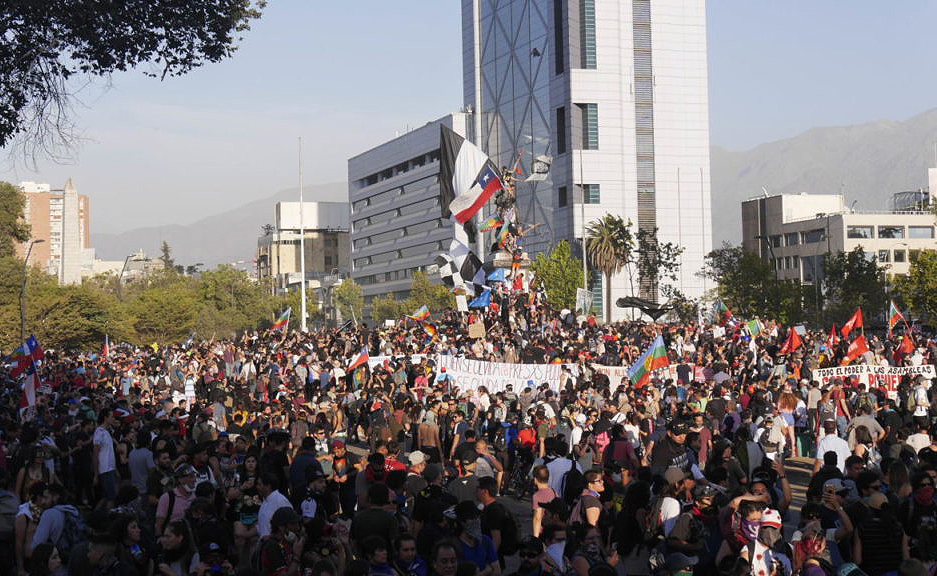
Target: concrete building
pixel 60 218
pixel 796 231
pixel 396 223
pixel 616 93
pixel 327 245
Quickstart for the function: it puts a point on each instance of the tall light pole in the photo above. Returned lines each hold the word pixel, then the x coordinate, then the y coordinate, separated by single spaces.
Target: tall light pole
pixel 302 245
pixel 120 278
pixel 23 291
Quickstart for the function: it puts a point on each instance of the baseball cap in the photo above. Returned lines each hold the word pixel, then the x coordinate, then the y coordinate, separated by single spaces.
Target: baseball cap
pixel 677 562
pixel 468 457
pixel 183 470
pixel 466 510
pixel 772 518
pixel 338 444
pixel 703 491
pixel 837 485
pixel 877 500
pixel 674 475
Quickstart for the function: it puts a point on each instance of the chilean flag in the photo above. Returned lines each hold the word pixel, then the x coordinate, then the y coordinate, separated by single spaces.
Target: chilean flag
pixel 467 177
pixel 359 360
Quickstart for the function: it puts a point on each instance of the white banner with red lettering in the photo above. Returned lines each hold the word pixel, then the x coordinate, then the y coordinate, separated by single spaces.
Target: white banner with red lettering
pixel 886 377
pixel 495 376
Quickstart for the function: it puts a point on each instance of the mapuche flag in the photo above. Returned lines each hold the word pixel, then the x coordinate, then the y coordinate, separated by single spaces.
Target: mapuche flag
pixel 894 316
pixel 467 177
pixel 853 323
pixel 421 315
pixel 283 321
pixel 654 358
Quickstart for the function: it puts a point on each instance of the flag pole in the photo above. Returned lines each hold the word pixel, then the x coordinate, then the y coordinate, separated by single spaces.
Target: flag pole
pixel 302 245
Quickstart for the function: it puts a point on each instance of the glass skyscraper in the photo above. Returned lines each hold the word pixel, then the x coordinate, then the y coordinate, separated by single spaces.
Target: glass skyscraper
pixel 615 93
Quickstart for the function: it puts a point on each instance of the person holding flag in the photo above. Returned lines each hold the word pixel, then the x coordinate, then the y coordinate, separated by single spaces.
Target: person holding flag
pixel 654 358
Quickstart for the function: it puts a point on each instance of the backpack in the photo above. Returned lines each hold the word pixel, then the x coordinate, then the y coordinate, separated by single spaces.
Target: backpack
pixel 8 508
pixel 654 529
pixel 573 483
pixel 74 532
pixel 863 402
pixel 509 540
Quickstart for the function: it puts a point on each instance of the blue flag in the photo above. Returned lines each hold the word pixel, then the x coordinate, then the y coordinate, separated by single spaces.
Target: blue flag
pixel 497 275
pixel 482 301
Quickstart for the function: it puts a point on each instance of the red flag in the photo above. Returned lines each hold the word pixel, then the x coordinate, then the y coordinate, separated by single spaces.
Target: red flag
pixel 833 340
pixel 857 348
pixel 793 342
pixel 854 322
pixel 360 360
pixel 907 345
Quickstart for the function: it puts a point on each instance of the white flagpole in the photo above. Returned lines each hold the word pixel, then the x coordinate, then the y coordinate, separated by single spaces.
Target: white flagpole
pixel 302 245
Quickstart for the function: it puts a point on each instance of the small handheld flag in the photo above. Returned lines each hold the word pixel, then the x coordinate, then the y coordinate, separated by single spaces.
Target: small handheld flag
pixel 654 358
pixel 894 316
pixel 793 342
pixel 852 324
pixel 421 315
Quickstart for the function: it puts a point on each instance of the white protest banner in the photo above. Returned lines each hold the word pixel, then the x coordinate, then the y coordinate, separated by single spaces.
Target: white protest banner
pixel 461 303
pixel 886 377
pixel 375 360
pixel 615 373
pixel 470 374
pixel 583 300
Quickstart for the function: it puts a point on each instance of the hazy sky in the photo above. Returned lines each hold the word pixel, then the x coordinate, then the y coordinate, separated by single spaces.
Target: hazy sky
pixel 347 75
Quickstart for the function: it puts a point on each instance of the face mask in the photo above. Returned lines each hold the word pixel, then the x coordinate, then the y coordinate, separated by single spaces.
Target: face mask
pixel 189 489
pixel 749 529
pixel 473 528
pixel 592 548
pixel 290 536
pixel 556 550
pixel 616 477
pixel 769 536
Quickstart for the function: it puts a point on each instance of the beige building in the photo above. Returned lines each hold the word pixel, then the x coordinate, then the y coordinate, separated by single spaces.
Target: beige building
pixel 796 231
pixel 60 218
pixel 327 245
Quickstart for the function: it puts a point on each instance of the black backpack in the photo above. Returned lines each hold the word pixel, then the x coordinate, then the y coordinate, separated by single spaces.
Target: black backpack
pixel 573 483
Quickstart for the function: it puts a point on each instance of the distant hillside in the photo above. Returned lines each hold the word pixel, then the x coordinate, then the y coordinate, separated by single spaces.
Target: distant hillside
pixel 867 162
pixel 226 237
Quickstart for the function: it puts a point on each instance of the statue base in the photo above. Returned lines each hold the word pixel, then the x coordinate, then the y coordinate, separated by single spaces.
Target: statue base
pixel 504 259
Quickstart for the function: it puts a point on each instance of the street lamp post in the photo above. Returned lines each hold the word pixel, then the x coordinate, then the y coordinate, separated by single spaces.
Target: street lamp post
pixel 120 278
pixel 23 291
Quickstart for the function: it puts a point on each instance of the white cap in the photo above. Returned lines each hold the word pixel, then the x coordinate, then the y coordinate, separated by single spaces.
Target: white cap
pixel 416 458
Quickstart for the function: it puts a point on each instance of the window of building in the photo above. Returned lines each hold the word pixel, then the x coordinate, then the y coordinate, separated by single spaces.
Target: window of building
pixel 859 232
pixel 899 256
pixel 920 231
pixel 883 256
pixel 590 126
pixel 563 200
pixel 891 232
pixel 787 262
pixel 776 241
pixel 812 236
pixel 328 260
pixel 587 33
pixel 561 130
pixel 795 262
pixel 591 194
pixel 792 239
pixel 559 39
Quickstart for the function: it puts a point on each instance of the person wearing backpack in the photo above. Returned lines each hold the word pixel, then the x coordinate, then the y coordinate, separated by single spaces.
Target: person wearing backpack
pixel 496 520
pixel 60 525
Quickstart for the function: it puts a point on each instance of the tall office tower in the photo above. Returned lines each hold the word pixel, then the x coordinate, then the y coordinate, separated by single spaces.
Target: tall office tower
pixel 60 218
pixel 612 93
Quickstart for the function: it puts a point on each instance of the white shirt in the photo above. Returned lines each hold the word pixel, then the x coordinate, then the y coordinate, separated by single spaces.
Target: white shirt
pixel 918 442
pixel 832 442
pixel 669 512
pixel 920 398
pixel 273 502
pixel 106 460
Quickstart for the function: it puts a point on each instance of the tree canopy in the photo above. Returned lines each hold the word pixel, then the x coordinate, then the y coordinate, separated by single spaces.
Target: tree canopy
pixel 608 246
pixel 46 44
pixel 561 274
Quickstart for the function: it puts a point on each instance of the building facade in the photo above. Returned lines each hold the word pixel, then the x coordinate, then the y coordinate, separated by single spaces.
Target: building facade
pixel 60 219
pixel 616 94
pixel 326 241
pixel 396 224
pixel 795 232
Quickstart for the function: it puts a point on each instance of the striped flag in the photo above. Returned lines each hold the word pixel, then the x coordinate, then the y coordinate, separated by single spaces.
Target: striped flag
pixel 420 315
pixel 105 352
pixel 754 327
pixel 430 329
pixel 283 321
pixel 492 222
pixel 894 316
pixel 654 358
pixel 360 360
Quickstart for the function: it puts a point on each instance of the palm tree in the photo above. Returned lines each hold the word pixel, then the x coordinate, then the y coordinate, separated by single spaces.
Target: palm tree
pixel 608 247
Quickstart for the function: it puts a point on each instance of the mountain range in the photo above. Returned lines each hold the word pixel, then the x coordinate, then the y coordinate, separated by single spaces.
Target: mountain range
pixel 866 162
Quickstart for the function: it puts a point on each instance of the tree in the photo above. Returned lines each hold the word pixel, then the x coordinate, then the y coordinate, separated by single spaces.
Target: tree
pixel 349 299
pixel 166 256
pixel 919 288
pixel 386 308
pixel 658 265
pixel 47 44
pixel 853 280
pixel 608 246
pixel 165 314
pixel 13 229
pixel 561 275
pixel 423 292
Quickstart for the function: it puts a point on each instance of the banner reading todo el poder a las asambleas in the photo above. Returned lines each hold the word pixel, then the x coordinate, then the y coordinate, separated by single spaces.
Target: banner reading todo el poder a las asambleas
pixel 887 377
pixel 470 374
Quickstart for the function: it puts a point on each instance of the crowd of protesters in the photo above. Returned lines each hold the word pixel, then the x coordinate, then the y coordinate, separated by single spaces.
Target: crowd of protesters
pixel 265 455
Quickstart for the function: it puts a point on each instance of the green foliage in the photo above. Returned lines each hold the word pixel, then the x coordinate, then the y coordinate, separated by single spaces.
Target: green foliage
pixel 853 280
pixel 919 288
pixel 658 263
pixel 165 315
pixel 47 43
pixel 349 299
pixel 749 286
pixel 561 275
pixel 436 297
pixel 609 243
pixel 386 308
pixel 13 229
